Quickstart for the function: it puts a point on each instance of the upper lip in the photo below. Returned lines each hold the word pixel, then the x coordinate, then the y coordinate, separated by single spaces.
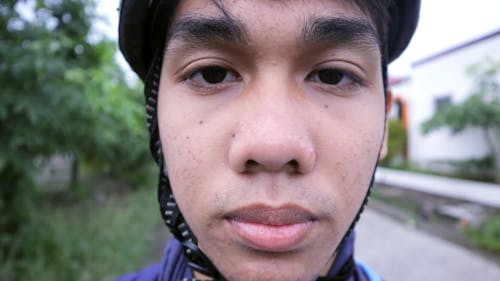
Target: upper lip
pixel 274 216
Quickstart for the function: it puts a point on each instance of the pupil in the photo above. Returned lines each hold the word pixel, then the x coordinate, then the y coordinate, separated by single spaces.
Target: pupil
pixel 330 76
pixel 214 75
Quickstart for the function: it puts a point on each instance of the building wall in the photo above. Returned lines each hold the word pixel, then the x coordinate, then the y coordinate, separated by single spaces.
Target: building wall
pixel 446 76
pixel 402 89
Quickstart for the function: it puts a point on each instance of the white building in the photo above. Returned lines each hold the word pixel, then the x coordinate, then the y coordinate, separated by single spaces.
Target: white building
pixel 438 80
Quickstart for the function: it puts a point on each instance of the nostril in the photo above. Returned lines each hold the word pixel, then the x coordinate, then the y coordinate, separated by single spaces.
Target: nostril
pixel 253 166
pixel 293 165
pixel 250 165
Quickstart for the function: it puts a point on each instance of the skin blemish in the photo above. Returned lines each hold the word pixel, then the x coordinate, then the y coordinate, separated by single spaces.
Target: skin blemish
pixel 200 122
pixel 325 106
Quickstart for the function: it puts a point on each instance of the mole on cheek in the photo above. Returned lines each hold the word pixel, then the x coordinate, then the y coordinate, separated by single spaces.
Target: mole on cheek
pixel 325 106
pixel 200 122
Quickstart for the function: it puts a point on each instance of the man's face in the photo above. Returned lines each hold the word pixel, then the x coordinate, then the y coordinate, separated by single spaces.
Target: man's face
pixel 271 120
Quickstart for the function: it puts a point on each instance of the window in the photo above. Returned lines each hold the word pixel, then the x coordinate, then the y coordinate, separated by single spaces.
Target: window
pixel 442 101
pixel 396 110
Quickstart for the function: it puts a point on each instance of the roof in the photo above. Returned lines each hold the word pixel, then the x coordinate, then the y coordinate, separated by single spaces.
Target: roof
pixel 456 48
pixel 396 80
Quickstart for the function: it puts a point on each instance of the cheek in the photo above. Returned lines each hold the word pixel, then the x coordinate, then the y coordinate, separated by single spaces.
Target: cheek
pixel 187 171
pixel 182 162
pixel 351 155
pixel 190 150
pixel 182 154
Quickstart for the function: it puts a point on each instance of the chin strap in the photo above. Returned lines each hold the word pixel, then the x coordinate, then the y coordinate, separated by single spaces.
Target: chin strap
pixel 344 274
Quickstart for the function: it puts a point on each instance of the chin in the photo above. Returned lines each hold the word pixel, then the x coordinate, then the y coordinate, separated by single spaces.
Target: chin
pixel 273 267
pixel 270 275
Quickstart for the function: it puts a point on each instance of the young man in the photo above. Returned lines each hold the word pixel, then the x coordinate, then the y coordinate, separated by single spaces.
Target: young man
pixel 267 119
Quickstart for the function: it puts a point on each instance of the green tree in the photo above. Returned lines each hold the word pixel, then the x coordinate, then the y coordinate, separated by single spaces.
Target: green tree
pixel 62 93
pixel 481 109
pixel 396 144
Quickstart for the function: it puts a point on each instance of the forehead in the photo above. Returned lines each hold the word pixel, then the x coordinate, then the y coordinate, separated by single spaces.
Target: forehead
pixel 272 21
pixel 263 7
pixel 270 13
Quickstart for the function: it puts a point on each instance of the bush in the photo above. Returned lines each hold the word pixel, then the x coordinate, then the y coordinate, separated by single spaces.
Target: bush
pixel 482 169
pixel 62 94
pixel 488 235
pixel 396 154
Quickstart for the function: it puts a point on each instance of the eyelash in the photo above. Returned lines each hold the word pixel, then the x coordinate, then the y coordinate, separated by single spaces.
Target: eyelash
pixel 205 87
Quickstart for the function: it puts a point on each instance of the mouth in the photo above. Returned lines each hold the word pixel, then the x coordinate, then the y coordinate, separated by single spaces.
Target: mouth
pixel 270 229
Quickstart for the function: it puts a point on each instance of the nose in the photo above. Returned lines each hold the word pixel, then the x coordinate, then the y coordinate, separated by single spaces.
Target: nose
pixel 272 136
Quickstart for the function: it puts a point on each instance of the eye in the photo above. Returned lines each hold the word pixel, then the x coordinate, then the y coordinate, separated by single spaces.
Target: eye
pixel 332 76
pixel 212 76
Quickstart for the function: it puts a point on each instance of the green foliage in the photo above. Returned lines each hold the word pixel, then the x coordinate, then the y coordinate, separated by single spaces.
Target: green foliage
pixel 475 111
pixel 488 235
pixel 480 109
pixel 479 169
pixel 396 143
pixel 62 93
pixel 97 239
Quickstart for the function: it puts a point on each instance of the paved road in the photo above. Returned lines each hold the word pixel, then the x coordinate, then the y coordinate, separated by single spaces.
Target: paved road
pixel 401 253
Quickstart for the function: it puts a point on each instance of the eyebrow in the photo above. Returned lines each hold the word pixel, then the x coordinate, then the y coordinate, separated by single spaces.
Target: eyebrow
pixel 197 29
pixel 338 31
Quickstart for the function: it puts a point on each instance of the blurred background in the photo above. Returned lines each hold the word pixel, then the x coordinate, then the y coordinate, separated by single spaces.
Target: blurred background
pixel 77 184
pixel 78 187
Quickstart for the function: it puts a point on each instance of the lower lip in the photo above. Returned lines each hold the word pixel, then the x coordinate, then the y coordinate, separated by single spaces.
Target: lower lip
pixel 272 238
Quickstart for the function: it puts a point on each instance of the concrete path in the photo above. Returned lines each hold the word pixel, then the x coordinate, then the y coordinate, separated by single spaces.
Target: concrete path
pixel 401 253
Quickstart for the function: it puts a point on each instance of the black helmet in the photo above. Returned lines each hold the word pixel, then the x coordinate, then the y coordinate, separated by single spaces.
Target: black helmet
pixel 141 44
pixel 137 39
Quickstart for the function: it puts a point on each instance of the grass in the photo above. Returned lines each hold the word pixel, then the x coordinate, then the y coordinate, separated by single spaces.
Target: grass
pixel 98 238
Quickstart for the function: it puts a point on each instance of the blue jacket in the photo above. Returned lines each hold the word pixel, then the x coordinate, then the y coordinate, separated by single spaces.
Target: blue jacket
pixel 174 266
